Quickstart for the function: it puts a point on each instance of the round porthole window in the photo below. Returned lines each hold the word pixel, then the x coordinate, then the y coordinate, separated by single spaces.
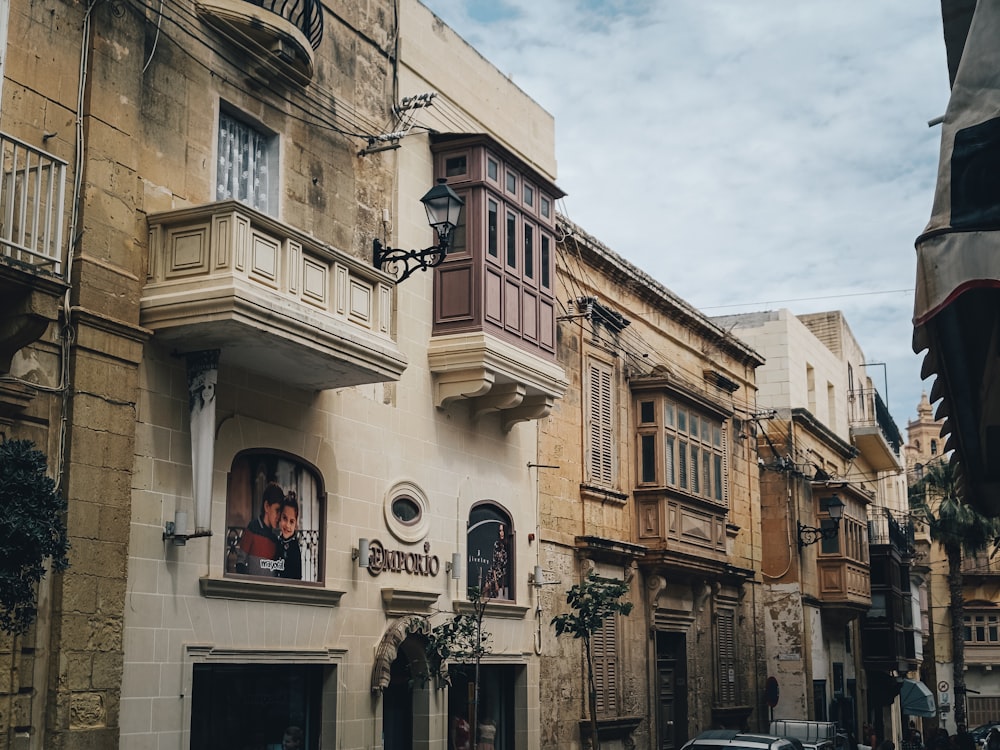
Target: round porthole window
pixel 406 512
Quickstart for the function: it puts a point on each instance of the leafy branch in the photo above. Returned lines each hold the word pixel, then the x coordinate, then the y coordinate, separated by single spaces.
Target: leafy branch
pixel 32 529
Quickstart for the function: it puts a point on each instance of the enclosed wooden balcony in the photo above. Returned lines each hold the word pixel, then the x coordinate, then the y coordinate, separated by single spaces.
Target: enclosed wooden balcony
pixel 274 300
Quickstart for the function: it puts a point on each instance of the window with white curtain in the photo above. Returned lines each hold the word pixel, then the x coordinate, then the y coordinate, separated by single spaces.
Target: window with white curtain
pixel 247 165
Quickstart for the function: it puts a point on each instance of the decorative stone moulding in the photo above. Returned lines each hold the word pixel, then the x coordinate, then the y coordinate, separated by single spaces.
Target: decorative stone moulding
pixel 494 376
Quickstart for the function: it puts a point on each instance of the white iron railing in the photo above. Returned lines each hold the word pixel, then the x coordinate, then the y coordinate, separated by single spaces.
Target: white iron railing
pixel 32 197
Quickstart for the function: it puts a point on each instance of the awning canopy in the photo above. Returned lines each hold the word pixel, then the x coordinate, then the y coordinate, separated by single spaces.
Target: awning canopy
pixel 956 314
pixel 916 699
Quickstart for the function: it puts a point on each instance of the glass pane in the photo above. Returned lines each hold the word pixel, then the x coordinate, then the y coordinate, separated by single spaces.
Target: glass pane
pixel 242 172
pixel 682 456
pixel 694 427
pixel 492 169
pixel 829 546
pixel 716 436
pixel 529 251
pixel 647 414
pixel 457 246
pixel 256 705
pixel 405 509
pixel 529 195
pixel 718 478
pixel 669 415
pixel 511 240
pixel 545 260
pixel 488 540
pixel 648 460
pixel 682 424
pixel 669 461
pixel 545 207
pixel 455 166
pixel 706 473
pixel 511 183
pixel 695 484
pixel 491 228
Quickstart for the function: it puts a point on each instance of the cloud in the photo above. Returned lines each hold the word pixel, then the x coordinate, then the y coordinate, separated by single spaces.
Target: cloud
pixel 784 144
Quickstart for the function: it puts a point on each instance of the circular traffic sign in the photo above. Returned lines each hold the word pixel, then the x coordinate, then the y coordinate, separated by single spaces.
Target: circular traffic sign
pixel 771 691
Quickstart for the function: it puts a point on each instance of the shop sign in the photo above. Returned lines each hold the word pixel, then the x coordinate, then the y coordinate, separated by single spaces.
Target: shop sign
pixel 401 561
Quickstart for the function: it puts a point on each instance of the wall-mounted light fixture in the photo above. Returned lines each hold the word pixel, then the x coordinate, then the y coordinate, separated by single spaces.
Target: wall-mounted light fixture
pixel 443 208
pixel 812 534
pixel 537 578
pixel 176 530
pixel 455 566
pixel 362 553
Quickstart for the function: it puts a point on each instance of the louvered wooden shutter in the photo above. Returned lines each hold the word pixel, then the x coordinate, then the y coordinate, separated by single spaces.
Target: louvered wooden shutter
pixel 600 425
pixel 604 652
pixel 725 463
pixel 726 633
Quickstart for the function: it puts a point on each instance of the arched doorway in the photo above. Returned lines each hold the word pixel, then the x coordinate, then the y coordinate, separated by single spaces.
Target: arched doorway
pixel 397 706
pixel 406 695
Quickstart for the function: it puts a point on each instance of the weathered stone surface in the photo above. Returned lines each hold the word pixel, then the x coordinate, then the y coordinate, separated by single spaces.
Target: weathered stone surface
pixel 87 710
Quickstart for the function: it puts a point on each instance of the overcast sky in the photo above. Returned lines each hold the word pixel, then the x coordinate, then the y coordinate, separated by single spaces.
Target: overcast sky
pixel 748 154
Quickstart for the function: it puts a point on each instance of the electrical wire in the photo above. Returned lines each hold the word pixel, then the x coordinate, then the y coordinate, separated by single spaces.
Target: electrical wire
pixel 318 106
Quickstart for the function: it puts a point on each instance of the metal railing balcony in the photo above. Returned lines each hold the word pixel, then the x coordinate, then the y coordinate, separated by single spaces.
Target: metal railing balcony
pixel 868 409
pixel 306 15
pixel 883 528
pixel 32 200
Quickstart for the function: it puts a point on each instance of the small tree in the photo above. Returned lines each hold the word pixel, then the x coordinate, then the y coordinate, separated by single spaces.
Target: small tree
pixel 459 639
pixel 593 601
pixel 31 529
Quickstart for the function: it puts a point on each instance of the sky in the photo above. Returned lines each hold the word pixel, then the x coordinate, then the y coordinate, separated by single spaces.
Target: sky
pixel 748 154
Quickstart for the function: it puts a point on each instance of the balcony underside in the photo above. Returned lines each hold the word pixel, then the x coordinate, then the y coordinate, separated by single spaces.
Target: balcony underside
pixel 494 376
pixel 874 447
pixel 273 300
pixel 279 44
pixel 29 302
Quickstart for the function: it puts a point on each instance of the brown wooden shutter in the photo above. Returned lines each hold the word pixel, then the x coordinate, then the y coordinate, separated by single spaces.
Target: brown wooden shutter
pixel 726 634
pixel 604 652
pixel 600 425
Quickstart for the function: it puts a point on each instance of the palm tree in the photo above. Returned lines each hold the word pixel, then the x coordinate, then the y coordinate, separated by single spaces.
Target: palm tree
pixel 937 501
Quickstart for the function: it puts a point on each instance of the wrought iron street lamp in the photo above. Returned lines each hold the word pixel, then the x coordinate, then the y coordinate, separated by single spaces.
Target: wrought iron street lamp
pixel 443 208
pixel 812 534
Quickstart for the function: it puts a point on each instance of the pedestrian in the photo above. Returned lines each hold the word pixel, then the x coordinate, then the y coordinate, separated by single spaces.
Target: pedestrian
pixel 964 740
pixel 916 738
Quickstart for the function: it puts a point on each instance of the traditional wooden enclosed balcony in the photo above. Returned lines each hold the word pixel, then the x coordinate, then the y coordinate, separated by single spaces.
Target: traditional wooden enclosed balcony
pixel 32 255
pixel 872 430
pixel 842 567
pixel 274 300
pixel 274 35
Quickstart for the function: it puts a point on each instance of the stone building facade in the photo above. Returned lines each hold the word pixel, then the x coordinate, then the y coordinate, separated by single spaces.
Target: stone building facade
pixel 839 627
pixel 646 477
pixel 223 170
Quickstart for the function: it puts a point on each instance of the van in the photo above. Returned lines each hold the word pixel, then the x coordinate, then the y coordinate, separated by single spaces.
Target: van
pixel 730 739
